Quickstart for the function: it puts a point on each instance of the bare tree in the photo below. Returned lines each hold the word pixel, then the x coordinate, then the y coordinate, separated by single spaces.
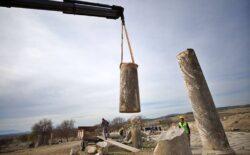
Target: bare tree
pixel 58 133
pixel 66 129
pixel 139 118
pixel 118 120
pixel 117 123
pixel 42 131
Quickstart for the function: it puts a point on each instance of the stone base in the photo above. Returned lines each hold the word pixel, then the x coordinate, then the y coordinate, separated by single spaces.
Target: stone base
pixel 218 152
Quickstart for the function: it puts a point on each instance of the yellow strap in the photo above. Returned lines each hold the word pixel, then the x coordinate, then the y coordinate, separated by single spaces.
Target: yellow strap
pixel 129 45
pixel 122 44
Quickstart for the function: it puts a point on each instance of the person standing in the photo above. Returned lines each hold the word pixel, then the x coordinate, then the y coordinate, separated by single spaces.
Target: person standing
pixel 184 125
pixel 105 125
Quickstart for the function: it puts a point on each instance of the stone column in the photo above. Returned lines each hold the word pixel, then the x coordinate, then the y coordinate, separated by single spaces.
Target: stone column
pixel 135 132
pixel 136 137
pixel 211 131
pixel 129 88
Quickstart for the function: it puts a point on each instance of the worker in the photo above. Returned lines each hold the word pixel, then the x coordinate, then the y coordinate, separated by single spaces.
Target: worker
pixel 185 127
pixel 105 125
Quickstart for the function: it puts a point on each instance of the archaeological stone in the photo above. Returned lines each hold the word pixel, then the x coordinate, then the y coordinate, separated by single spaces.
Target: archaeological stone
pixel 91 149
pixel 102 147
pixel 129 88
pixel 136 134
pixel 174 141
pixel 207 120
pixel 136 137
pixel 74 151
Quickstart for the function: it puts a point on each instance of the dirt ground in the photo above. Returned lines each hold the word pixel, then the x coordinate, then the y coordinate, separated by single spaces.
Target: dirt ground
pixel 239 141
pixel 59 149
pixel 236 122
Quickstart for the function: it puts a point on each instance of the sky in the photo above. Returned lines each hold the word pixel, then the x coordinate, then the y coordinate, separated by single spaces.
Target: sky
pixel 61 66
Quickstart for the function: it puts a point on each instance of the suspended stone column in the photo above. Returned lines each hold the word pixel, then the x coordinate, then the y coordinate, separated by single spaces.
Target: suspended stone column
pixel 211 131
pixel 129 89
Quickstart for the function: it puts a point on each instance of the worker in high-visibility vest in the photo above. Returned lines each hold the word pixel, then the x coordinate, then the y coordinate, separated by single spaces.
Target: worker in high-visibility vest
pixel 184 125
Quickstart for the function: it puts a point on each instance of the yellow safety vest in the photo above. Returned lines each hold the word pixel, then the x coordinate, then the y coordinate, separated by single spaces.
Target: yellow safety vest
pixel 184 126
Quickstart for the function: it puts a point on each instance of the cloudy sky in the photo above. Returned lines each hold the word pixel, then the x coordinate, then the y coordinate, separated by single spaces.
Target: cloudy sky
pixel 59 66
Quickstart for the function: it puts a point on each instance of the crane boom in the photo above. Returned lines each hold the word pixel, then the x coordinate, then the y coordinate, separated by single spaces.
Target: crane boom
pixel 69 7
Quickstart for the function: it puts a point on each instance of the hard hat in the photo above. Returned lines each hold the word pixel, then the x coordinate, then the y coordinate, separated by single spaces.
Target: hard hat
pixel 181 117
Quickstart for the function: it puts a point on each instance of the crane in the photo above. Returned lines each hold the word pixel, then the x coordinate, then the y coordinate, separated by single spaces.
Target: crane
pixel 75 7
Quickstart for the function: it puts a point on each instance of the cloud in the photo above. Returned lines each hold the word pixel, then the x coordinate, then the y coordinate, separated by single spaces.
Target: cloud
pixel 60 66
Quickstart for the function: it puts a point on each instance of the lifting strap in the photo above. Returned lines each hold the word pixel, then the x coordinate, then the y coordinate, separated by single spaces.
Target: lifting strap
pixel 123 28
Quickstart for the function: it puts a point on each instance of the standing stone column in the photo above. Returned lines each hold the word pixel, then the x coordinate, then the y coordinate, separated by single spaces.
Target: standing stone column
pixel 136 137
pixel 135 130
pixel 211 131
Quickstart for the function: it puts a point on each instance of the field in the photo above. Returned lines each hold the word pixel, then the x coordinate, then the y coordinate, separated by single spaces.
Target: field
pixel 236 122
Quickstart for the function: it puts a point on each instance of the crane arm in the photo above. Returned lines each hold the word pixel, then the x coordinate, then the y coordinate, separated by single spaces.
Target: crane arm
pixel 69 7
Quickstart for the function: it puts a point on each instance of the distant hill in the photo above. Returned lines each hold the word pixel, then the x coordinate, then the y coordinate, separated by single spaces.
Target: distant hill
pixel 219 109
pixel 12 133
pixel 5 132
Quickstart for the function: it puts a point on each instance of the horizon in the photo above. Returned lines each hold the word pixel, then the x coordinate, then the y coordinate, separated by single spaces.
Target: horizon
pixel 59 66
pixel 13 132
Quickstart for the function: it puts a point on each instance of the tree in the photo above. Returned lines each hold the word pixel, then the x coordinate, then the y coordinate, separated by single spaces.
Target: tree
pixel 138 118
pixel 118 120
pixel 66 129
pixel 42 131
pixel 117 123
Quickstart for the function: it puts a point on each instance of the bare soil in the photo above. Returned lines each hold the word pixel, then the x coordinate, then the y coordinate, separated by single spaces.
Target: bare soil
pixel 236 122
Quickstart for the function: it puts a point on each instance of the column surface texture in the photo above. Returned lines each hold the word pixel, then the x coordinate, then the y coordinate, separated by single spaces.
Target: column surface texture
pixel 207 120
pixel 129 89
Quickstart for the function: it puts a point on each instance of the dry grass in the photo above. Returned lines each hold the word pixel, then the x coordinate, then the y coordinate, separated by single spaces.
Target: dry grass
pixel 237 119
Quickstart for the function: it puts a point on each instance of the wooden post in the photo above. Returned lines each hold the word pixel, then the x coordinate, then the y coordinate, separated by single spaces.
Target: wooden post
pixel 207 119
pixel 129 89
pixel 51 139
